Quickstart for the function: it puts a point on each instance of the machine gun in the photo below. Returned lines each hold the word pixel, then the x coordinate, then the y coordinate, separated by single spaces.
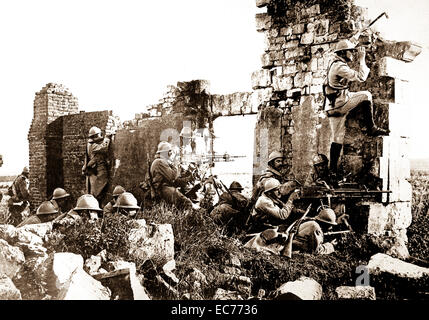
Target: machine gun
pixel 334 233
pixel 317 192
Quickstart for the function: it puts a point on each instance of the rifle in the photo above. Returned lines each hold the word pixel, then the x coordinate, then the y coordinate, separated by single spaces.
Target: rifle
pixel 333 233
pixel 287 251
pixel 151 186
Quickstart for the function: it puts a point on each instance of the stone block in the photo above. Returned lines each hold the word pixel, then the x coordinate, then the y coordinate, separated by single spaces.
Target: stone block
pixel 81 286
pixel 282 83
pixel 381 262
pixel 153 242
pixel 8 291
pixel 40 229
pixel 307 38
pixel 65 264
pixel 261 79
pixel 262 3
pixel 286 31
pixel 298 28
pixel 31 250
pixel 266 61
pixel 263 22
pixel 260 97
pixel 403 50
pixel 388 66
pixel 388 218
pixel 302 289
pixel 355 293
pixel 11 259
pixel 128 280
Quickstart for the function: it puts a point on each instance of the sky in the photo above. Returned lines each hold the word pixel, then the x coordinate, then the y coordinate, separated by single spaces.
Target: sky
pixel 121 55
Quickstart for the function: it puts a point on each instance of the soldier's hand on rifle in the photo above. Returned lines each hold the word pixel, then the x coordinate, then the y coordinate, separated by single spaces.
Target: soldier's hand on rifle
pixel 334 242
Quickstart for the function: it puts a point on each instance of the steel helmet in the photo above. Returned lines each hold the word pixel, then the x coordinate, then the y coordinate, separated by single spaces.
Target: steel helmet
pixel 118 191
pixel 25 170
pixel 126 201
pixel 344 45
pixel 59 193
pixel 235 186
pixel 271 184
pixel 327 215
pixel 46 208
pixel 164 146
pixel 87 202
pixel 274 155
pixel 94 131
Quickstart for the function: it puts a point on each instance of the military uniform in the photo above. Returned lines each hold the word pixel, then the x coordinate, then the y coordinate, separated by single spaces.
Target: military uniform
pixel 338 79
pixel 227 209
pixel 309 238
pixel 18 202
pixel 164 178
pixel 270 211
pixel 96 166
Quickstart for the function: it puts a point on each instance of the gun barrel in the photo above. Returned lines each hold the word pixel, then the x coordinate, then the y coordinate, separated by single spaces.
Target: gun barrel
pixel 336 232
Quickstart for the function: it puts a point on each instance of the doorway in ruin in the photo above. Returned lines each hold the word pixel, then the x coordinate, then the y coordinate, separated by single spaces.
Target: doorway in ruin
pixel 233 149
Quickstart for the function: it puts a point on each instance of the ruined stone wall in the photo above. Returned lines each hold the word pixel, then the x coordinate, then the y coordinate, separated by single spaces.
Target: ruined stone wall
pixel 300 39
pixel 45 136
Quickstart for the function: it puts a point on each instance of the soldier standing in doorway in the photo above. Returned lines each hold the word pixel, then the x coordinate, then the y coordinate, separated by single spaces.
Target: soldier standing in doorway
pixel 95 167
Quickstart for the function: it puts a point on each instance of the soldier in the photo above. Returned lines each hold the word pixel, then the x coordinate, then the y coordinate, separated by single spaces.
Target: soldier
pixel 108 208
pixel 95 166
pixel 126 205
pixel 309 237
pixel 87 208
pixel 60 200
pixel 269 210
pixel 165 178
pixel 46 212
pixel 232 206
pixel 19 196
pixel 275 164
pixel 342 101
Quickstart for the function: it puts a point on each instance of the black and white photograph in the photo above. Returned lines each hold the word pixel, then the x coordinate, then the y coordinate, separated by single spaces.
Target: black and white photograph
pixel 217 155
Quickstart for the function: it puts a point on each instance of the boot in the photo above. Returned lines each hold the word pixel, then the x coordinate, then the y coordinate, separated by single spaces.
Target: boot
pixel 335 153
pixel 373 130
pixel 334 156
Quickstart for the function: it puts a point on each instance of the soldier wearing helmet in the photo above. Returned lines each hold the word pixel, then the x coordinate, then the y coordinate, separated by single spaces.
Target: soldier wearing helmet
pixel 95 167
pixel 342 101
pixel 46 212
pixel 87 208
pixel 232 208
pixel 309 237
pixel 127 205
pixel 269 209
pixel 19 196
pixel 60 200
pixel 275 165
pixel 165 178
pixel 108 208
